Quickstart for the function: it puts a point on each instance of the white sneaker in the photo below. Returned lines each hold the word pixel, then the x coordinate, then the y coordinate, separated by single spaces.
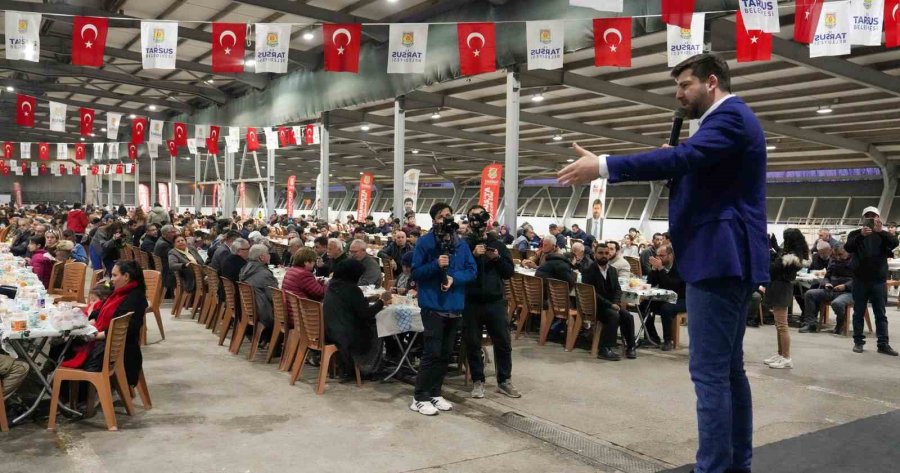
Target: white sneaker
pixel 781 364
pixel 441 404
pixel 772 359
pixel 425 408
pixel 478 390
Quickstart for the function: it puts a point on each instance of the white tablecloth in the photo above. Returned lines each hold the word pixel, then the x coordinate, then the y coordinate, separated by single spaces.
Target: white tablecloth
pixel 399 318
pixel 44 331
pixel 636 295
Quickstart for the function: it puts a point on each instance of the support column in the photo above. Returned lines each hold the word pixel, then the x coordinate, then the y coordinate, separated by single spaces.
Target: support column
pixel 457 195
pixel 511 184
pixel 399 155
pixel 109 194
pixel 137 185
pixel 173 193
pixel 197 194
pixel 153 196
pixel 324 167
pixel 227 189
pixel 889 174
pixel 270 182
pixel 577 192
pixel 122 188
pixel 656 189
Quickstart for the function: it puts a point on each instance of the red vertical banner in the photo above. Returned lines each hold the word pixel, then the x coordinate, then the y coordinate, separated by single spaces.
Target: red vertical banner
pixel 242 195
pixel 17 193
pixel 292 181
pixel 365 195
pixel 491 178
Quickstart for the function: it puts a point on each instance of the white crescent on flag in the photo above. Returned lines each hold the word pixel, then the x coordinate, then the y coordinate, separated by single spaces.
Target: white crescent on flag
pixel 253 134
pixel 89 27
pixel 26 104
pixel 179 131
pixel 614 31
pixel 87 117
pixel 43 148
pixel 894 11
pixel 474 34
pixel 214 135
pixel 341 32
pixel 226 34
pixel 139 126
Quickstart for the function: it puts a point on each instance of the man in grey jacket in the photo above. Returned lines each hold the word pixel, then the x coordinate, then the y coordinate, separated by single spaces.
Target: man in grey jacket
pixel 373 275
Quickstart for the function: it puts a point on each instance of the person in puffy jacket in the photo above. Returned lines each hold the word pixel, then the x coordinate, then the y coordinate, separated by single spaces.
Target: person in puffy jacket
pixel 41 261
pixel 779 294
pixel 300 279
pixel 158 215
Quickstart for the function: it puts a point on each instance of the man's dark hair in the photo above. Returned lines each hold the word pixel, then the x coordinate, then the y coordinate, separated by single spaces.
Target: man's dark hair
pixel 76 205
pixel 231 235
pixel 476 206
pixel 596 201
pixel 632 229
pixel 437 207
pixel 321 241
pixel 704 65
pixel 667 236
pixel 613 242
pixel 657 234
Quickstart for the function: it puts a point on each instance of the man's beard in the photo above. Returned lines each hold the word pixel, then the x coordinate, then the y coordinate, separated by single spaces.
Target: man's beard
pixel 696 109
pixel 602 261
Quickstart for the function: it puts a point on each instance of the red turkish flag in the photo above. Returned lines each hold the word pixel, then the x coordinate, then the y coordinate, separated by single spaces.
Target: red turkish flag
pixel 120 168
pixel 25 105
pixel 341 46
pixel 179 134
pixel 62 170
pixel 477 48
pixel 95 170
pixel 612 42
pixel 132 151
pixel 79 151
pixel 4 170
pixel 76 170
pixel 87 121
pixel 138 130
pixel 8 149
pixel 286 136
pixel 42 169
pixel 212 146
pixel 214 133
pixel 228 41
pixel 24 166
pixel 753 45
pixel 678 12
pixel 252 140
pixel 891 23
pixel 806 19
pixel 173 148
pixel 89 40
pixel 43 151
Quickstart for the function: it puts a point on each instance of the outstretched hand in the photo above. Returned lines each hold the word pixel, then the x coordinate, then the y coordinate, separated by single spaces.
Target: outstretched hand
pixel 582 171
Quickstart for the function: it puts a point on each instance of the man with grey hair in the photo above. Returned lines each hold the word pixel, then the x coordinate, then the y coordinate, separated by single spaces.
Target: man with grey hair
pixel 335 252
pixel 372 276
pixel 824 235
pixel 836 287
pixel 294 244
pixel 164 244
pixel 234 263
pixel 256 273
pixel 548 247
pixel 554 264
pixel 580 260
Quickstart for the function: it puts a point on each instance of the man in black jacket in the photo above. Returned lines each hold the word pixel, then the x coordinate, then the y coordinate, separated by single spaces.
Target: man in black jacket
pixel 871 246
pixel 664 274
pixel 605 280
pixel 486 306
pixel 554 264
pixel 836 288
pixel 395 250
pixel 20 242
pixel 151 236
pixel 165 243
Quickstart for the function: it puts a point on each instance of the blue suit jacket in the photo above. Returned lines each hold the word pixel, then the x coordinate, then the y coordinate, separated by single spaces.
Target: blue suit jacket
pixel 717 195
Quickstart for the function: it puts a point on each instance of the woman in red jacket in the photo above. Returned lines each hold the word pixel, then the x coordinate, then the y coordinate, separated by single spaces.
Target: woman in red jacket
pixel 300 279
pixel 41 262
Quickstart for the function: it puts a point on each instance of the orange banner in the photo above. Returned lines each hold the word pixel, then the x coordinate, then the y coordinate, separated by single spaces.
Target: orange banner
pixel 491 177
pixel 292 180
pixel 365 195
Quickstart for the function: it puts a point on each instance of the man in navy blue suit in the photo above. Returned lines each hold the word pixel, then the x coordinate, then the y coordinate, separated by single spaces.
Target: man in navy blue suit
pixel 717 219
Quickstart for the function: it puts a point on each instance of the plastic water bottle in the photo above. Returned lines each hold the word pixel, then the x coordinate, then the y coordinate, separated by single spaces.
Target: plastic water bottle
pixel 42 301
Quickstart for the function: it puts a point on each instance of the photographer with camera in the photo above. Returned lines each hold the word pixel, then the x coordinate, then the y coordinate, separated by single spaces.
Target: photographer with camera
pixel 442 266
pixel 486 304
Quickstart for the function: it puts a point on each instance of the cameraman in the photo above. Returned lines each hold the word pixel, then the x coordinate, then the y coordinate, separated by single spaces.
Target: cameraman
pixel 442 266
pixel 486 305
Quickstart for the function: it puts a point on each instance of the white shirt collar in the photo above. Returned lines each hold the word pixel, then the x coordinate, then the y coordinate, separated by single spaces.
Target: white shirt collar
pixel 714 107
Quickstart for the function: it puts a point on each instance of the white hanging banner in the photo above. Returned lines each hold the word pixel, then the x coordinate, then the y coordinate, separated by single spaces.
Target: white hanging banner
pixel 410 190
pixel 867 21
pixel 407 46
pixel 156 130
pixel 57 117
pixel 192 145
pixel 152 150
pixel 129 168
pixel 272 41
pixel 201 133
pixel 601 5
pixel 545 44
pixel 832 36
pixel 760 15
pixel 112 125
pixel 23 41
pixel 113 149
pixel 271 138
pixel 159 44
pixel 232 143
pixel 98 151
pixel 84 169
pixel 684 43
pixel 34 169
pixel 319 185
pixel 234 131
pixel 25 150
pixel 62 151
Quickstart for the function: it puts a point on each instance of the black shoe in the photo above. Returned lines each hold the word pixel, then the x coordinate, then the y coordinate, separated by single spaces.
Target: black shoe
pixel 647 343
pixel 809 328
pixel 608 354
pixel 857 348
pixel 753 323
pixel 630 353
pixel 668 346
pixel 887 350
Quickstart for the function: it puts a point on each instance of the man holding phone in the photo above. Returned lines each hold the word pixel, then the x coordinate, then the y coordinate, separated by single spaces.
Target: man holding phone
pixel 870 247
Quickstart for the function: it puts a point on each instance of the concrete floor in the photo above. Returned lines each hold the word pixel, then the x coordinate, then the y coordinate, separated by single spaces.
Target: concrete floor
pixel 215 412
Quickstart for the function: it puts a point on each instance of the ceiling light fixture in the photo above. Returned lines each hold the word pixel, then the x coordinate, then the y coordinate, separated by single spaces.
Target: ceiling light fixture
pixel 308 36
pixel 209 81
pixel 10 88
pixel 570 160
pixel 82 138
pixel 152 108
pixel 436 115
pixel 93 135
pixel 537 97
pixel 250 62
pixel 824 109
pixel 771 148
pixel 558 136
pixel 415 151
pixel 365 127
pixel 103 129
pixel 132 116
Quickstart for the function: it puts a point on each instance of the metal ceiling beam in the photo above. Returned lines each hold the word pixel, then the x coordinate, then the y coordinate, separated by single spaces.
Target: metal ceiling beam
pixel 316 13
pixel 535 118
pixel 65 70
pixel 38 87
pixel 9 98
pixel 723 32
pixel 668 103
pixel 389 141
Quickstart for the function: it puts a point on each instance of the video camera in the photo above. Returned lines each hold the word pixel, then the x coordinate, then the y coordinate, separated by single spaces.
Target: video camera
pixel 441 229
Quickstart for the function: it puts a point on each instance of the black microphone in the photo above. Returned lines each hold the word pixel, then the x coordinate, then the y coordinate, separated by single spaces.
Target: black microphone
pixel 677 121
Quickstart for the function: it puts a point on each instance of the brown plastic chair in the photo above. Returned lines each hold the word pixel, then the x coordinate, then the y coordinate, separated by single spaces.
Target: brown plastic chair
pixel 518 288
pixel 178 303
pixel 126 254
pixel 848 316
pixel 314 339
pixel 4 232
pixel 113 367
pixel 279 330
pixel 144 259
pixel 142 391
pixel 199 289
pixel 679 320
pixel 248 319
pixel 510 299
pixel 635 264
pixel 210 310
pixel 55 281
pixel 586 303
pixel 289 354
pixel 534 301
pixel 96 277
pixel 388 282
pixel 228 312
pixel 157 262
pixel 72 288
pixel 153 281
pixel 560 308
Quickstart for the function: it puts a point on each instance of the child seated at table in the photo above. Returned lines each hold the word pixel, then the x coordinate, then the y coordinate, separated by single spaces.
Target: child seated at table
pixel 405 286
pixel 79 350
pixel 97 297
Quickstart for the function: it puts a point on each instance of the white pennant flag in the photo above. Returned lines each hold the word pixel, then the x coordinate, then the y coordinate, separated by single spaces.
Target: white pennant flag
pixel 407 45
pixel 129 168
pixel 232 143
pixel 25 150
pixel 159 44
pixel 84 169
pixel 201 133
pixel 272 41
pixel 112 125
pixel 62 151
pixel 271 138
pixel 34 169
pixel 23 41
pixel 868 19
pixel 234 131
pixel 192 145
pixel 98 151
pixel 545 44
pixel 602 5
pixel 832 36
pixel 152 150
pixel 761 15
pixel 156 130
pixel 54 171
pixel 113 151
pixel 57 117
pixel 684 43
